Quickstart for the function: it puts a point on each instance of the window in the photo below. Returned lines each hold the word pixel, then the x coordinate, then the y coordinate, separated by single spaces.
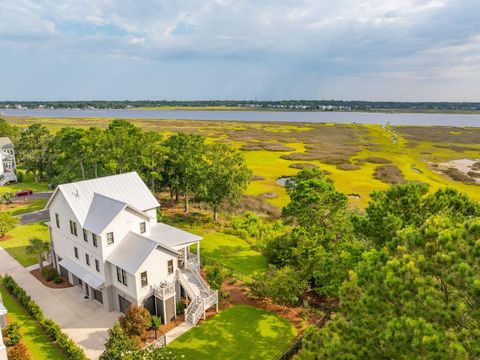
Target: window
pixel 57 220
pixel 87 259
pixel 170 267
pixel 73 227
pixel 121 276
pixel 85 235
pixel 95 240
pixel 110 239
pixel 97 265
pixel 75 250
pixel 143 277
pixel 143 227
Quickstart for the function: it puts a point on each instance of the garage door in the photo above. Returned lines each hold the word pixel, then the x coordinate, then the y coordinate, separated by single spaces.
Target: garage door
pixel 124 303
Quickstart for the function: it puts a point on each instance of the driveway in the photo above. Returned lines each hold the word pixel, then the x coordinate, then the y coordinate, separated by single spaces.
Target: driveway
pixel 33 217
pixel 84 321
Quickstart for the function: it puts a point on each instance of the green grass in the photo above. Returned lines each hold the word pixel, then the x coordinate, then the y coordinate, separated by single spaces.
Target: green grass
pixel 19 240
pixel 231 250
pixel 35 205
pixel 239 332
pixel 37 342
pixel 27 183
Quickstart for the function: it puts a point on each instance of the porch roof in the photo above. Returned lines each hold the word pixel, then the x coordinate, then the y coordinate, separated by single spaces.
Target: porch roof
pixel 171 236
pixel 92 280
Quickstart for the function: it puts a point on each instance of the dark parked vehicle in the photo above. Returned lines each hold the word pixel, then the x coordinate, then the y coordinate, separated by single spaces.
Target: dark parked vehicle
pixel 24 192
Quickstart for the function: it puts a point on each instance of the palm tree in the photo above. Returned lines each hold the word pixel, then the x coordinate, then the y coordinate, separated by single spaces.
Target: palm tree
pixel 38 247
pixel 156 323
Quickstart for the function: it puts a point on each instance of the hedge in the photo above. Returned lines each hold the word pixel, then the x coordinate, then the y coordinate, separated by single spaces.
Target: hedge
pixel 54 331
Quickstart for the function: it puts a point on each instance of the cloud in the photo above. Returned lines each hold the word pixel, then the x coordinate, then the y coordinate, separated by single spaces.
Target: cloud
pixel 288 40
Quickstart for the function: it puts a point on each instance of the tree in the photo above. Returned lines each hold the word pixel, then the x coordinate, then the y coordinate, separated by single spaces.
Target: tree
pixel 118 346
pixel 226 176
pixel 32 148
pixel 38 247
pixel 153 154
pixel 122 148
pixel 185 164
pixel 93 145
pixel 135 321
pixel 416 295
pixel 7 223
pixel 284 285
pixel 10 131
pixel 156 323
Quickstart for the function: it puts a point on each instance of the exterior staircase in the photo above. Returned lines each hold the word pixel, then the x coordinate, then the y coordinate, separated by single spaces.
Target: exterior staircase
pixel 202 297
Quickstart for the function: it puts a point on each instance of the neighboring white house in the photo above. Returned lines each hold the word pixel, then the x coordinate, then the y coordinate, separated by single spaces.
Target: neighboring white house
pixel 7 161
pixel 3 322
pixel 106 240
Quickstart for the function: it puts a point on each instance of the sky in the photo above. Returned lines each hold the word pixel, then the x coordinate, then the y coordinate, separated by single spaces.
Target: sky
pixel 400 50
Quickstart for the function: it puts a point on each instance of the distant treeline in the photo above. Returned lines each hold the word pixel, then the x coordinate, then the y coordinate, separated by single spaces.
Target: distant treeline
pixel 282 104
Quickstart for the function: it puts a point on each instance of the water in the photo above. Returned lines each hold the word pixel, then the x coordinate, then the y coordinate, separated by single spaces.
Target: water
pixel 460 120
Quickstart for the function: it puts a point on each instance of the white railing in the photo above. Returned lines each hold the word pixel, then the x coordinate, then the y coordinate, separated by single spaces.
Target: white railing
pixel 193 269
pixel 165 291
pixel 211 299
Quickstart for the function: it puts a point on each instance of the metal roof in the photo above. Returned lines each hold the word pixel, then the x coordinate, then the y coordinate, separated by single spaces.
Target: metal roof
pixel 127 188
pixel 132 252
pixel 101 213
pixel 92 280
pixel 171 236
pixel 5 143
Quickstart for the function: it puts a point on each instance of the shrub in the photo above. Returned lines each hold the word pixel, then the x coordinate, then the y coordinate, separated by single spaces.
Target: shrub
pixel 180 308
pixel 284 286
pixel 7 197
pixel 18 352
pixel 12 331
pixel 49 273
pixel 252 227
pixel 54 331
pixel 20 177
pixel 215 276
pixel 135 321
pixel 7 223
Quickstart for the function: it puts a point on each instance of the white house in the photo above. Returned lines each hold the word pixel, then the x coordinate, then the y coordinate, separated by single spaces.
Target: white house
pixel 7 161
pixel 3 322
pixel 106 240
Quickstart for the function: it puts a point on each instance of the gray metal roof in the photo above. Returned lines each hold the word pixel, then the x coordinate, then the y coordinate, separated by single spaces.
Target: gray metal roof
pixel 5 143
pixel 86 276
pixel 132 252
pixel 171 236
pixel 101 213
pixel 127 188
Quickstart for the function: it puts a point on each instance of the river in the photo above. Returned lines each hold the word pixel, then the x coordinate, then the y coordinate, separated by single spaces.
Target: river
pixel 461 120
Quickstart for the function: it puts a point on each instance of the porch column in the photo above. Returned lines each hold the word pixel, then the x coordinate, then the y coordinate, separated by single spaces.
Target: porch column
pixel 185 255
pixel 198 251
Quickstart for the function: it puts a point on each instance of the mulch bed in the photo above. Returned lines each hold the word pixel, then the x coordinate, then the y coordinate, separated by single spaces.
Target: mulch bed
pixel 50 284
pixel 5 237
pixel 300 317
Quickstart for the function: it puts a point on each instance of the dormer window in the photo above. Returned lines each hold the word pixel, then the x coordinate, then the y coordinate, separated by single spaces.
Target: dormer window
pixel 143 227
pixel 85 235
pixel 95 239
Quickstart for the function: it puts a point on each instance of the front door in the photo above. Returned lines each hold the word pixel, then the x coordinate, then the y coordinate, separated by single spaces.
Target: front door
pixel 123 303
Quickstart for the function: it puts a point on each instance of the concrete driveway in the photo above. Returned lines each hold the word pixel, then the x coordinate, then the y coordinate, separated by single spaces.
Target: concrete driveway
pixel 83 320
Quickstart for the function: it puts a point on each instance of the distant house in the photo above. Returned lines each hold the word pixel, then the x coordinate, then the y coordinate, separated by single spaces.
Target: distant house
pixel 106 240
pixel 3 322
pixel 8 165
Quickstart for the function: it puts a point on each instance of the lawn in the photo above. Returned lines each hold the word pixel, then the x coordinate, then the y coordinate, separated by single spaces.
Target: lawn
pixel 18 239
pixel 35 339
pixel 231 250
pixel 21 208
pixel 239 332
pixel 27 183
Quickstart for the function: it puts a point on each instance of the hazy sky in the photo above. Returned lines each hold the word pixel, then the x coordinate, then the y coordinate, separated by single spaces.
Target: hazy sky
pixel 280 49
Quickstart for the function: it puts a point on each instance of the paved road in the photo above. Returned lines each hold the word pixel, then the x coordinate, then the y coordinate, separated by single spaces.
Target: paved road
pixel 84 321
pixel 33 217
